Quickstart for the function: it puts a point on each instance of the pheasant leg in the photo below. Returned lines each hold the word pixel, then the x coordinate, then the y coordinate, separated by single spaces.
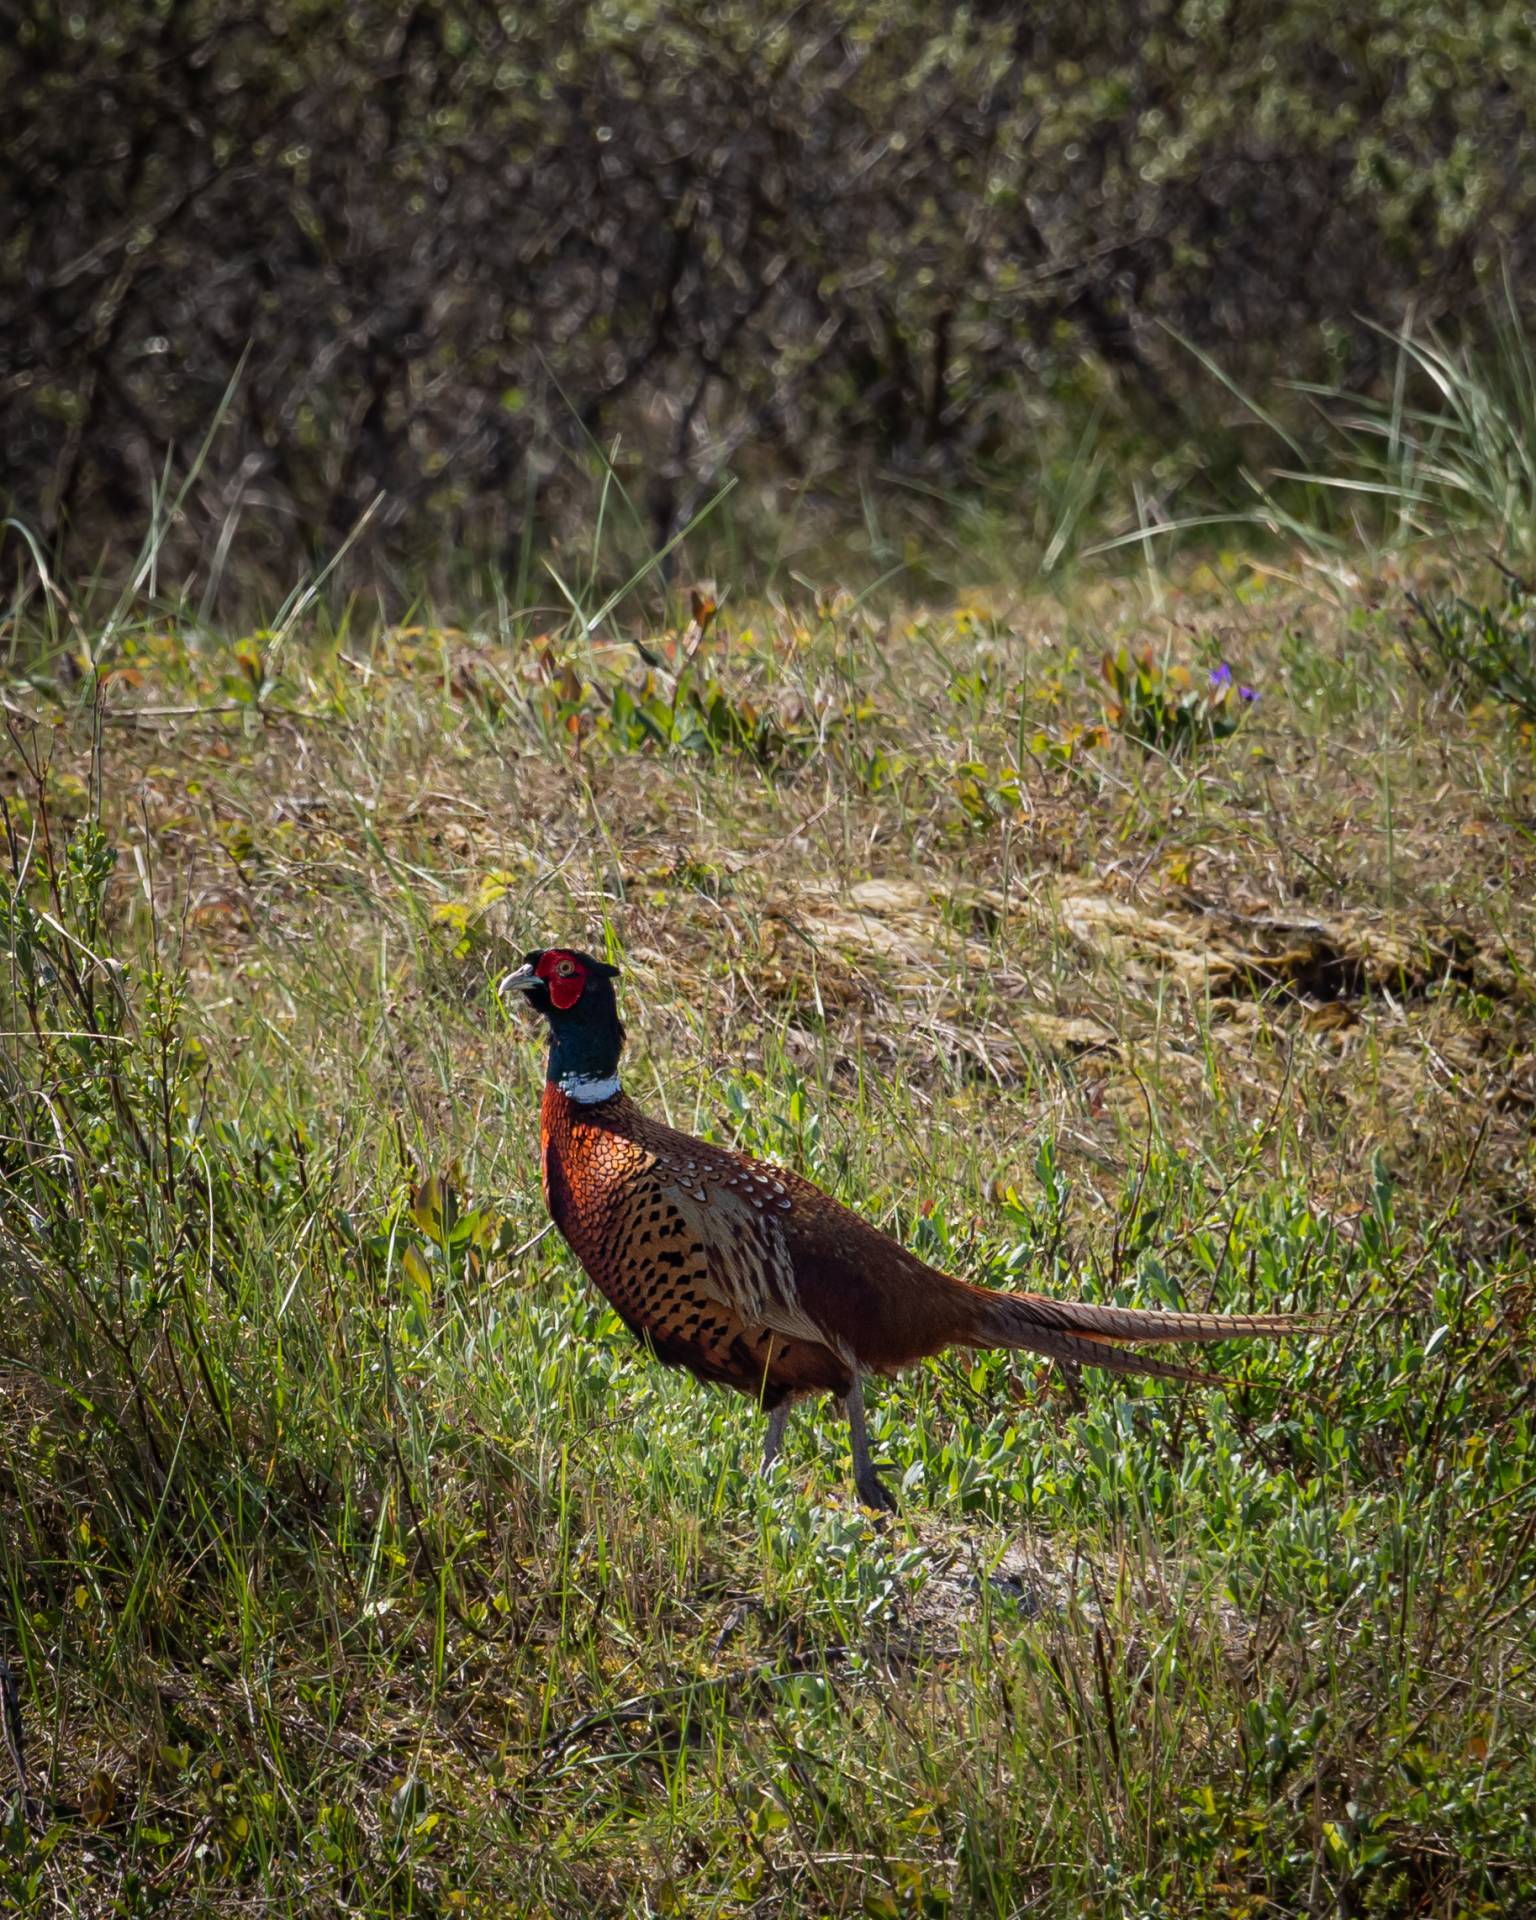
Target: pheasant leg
pixel 871 1490
pixel 778 1419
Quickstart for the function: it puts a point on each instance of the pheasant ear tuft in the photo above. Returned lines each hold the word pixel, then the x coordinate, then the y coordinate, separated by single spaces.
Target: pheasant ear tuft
pixel 608 973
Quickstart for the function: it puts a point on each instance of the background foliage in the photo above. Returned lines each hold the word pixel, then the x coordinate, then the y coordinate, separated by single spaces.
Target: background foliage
pixel 458 240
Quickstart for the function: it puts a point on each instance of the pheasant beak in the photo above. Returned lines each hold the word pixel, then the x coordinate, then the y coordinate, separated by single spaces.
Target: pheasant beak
pixel 522 980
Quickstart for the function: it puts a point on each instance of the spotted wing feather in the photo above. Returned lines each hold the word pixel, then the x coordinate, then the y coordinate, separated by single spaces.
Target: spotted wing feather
pixel 736 1211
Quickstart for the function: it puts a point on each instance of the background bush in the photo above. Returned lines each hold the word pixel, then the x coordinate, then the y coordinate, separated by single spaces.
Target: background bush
pixel 461 242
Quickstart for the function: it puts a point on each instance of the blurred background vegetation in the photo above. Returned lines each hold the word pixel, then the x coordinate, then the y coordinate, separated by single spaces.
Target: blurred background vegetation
pixel 466 255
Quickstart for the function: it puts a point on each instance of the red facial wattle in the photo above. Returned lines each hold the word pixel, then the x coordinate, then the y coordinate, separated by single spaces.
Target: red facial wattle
pixel 565 977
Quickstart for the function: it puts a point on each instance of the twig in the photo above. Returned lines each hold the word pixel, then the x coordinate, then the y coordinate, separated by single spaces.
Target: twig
pixel 747 1681
pixel 15 1739
pixel 134 716
pixel 1516 580
pixel 1106 1691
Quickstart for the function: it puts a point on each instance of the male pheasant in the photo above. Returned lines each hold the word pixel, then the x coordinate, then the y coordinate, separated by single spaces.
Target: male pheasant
pixel 751 1277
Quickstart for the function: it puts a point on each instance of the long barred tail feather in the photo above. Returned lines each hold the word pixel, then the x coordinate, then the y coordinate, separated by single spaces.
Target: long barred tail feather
pixel 1087 1335
pixel 1024 1310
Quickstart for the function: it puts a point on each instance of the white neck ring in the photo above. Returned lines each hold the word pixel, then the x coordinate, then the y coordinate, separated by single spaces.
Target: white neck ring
pixel 587 1089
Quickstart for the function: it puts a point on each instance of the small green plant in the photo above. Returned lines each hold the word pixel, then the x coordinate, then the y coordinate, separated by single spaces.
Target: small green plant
pixel 701 717
pixel 1167 709
pixel 1491 650
pixel 987 794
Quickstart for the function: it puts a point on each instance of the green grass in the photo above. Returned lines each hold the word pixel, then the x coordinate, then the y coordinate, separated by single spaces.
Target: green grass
pixel 353 1557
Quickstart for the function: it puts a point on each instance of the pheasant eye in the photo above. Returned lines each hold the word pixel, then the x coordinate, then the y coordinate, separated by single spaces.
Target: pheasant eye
pixel 565 969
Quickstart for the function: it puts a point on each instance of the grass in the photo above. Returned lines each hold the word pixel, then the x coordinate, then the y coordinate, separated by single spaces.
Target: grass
pixel 353 1557
pixel 1436 450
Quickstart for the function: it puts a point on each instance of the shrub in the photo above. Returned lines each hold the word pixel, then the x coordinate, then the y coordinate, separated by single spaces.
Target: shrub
pixel 1486 648
pixel 463 245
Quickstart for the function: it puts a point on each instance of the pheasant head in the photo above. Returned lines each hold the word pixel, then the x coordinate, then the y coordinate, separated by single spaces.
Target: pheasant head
pixel 574 992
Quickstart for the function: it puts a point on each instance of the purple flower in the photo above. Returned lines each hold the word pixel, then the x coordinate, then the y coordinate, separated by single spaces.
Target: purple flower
pixel 1221 676
pixel 1247 695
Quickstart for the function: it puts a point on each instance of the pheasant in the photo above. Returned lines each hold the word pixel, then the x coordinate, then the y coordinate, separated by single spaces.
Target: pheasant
pixel 751 1277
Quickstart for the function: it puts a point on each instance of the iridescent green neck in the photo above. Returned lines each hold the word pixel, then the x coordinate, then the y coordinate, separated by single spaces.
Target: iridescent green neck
pixel 584 1053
